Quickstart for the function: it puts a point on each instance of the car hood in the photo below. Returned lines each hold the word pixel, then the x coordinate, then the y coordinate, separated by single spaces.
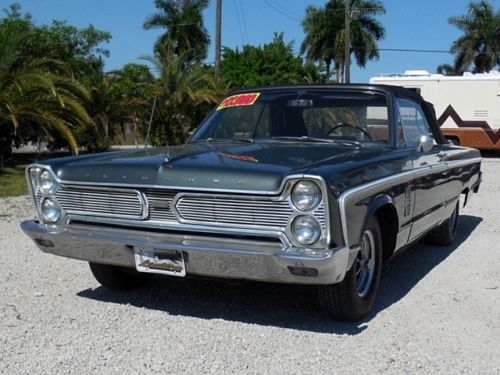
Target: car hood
pixel 222 166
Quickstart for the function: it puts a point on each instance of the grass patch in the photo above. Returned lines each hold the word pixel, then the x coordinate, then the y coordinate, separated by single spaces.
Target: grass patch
pixel 12 181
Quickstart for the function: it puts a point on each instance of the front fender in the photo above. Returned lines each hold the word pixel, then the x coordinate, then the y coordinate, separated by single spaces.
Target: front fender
pixel 357 227
pixel 377 202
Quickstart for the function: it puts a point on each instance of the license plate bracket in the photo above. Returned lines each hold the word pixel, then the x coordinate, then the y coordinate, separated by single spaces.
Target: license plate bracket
pixel 165 262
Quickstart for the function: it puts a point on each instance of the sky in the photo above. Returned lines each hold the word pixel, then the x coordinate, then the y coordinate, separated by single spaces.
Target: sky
pixel 409 24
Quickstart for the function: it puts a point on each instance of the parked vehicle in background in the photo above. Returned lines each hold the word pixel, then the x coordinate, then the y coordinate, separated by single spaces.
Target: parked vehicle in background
pixel 467 107
pixel 306 184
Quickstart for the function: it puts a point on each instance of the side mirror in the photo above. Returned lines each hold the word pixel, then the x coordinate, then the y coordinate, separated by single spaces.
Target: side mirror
pixel 425 143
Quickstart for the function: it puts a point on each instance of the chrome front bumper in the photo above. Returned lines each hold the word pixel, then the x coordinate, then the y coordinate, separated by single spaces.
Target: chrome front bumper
pixel 205 255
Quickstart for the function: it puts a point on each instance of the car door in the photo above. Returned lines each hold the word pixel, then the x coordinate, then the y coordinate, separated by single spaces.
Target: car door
pixel 429 165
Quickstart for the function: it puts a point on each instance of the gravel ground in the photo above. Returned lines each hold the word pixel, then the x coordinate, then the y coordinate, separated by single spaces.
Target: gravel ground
pixel 438 311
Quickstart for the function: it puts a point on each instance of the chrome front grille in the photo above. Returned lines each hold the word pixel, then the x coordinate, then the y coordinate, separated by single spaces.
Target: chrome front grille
pixel 38 196
pixel 156 205
pixel 234 210
pixel 160 204
pixel 120 203
pixel 319 213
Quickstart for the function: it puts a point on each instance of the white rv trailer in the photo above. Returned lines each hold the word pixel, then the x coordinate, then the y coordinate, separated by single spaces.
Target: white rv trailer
pixel 467 107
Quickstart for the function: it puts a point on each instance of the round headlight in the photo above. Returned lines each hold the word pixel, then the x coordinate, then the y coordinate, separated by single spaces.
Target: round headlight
pixel 305 229
pixel 50 210
pixel 306 195
pixel 47 181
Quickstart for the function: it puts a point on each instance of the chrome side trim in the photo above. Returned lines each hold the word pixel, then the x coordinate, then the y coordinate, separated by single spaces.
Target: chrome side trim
pixel 461 163
pixel 386 182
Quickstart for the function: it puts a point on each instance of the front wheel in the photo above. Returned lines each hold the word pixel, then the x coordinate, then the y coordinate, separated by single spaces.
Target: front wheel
pixel 353 298
pixel 118 278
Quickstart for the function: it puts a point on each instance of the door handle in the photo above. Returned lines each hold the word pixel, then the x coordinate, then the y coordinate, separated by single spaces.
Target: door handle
pixel 441 155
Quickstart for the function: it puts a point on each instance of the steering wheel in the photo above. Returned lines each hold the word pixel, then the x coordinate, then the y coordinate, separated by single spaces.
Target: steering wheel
pixel 350 126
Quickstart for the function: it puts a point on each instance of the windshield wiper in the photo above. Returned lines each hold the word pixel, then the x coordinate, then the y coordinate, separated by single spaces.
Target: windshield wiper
pixel 223 140
pixel 354 144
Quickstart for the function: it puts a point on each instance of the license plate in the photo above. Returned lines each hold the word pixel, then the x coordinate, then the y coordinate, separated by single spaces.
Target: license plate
pixel 166 262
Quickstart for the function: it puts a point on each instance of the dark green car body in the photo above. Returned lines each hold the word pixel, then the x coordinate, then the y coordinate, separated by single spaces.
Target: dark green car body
pixel 227 204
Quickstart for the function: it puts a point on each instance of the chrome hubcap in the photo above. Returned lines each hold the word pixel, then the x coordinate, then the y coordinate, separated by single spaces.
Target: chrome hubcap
pixel 365 264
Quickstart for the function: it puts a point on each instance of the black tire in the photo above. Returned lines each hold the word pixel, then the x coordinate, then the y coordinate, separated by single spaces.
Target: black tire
pixel 348 300
pixel 446 233
pixel 118 278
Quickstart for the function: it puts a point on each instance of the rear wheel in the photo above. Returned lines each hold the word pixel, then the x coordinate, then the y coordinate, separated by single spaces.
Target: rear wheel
pixel 118 278
pixel 446 233
pixel 353 298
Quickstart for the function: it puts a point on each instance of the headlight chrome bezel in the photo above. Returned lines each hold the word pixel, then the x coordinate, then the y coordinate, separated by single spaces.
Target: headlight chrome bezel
pixel 317 210
pixel 44 185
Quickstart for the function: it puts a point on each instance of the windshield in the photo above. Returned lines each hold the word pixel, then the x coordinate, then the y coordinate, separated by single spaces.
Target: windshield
pixel 302 115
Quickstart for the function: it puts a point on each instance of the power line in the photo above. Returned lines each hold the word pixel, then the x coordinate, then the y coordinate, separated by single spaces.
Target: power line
pixel 239 22
pixel 414 50
pixel 272 5
pixel 286 10
pixel 243 21
pixel 435 51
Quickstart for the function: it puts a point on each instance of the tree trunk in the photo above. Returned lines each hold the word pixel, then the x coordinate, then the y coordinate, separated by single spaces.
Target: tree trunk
pixel 105 125
pixel 339 73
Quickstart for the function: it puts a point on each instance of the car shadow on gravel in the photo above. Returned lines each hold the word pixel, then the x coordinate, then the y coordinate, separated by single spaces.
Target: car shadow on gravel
pixel 278 305
pixel 411 265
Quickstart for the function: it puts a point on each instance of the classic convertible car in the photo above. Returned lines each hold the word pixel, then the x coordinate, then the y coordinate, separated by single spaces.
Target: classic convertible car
pixel 306 184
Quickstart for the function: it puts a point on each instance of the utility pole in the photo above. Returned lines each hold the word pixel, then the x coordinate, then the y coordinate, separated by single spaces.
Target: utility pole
pixel 218 13
pixel 347 63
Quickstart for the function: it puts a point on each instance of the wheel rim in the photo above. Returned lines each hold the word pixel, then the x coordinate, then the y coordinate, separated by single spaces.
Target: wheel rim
pixel 365 264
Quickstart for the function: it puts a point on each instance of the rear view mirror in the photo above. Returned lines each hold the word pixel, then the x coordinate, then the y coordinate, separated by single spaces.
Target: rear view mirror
pixel 299 103
pixel 425 143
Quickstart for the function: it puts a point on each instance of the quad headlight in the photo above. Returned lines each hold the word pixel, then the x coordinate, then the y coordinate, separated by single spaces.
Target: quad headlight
pixel 44 186
pixel 47 182
pixel 50 210
pixel 305 229
pixel 306 195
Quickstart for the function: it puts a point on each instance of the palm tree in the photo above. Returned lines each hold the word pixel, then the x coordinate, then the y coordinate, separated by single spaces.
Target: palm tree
pixel 181 87
pixel 325 33
pixel 480 42
pixel 30 96
pixel 448 70
pixel 321 36
pixel 183 21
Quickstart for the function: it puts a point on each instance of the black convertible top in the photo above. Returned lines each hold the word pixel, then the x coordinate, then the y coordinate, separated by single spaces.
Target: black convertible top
pixel 398 91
